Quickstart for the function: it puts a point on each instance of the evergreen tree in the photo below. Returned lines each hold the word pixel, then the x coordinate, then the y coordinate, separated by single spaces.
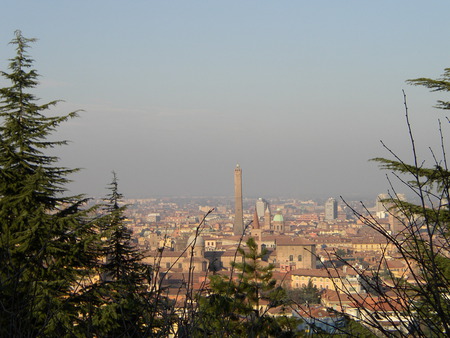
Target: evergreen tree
pixel 122 257
pixel 421 237
pixel 129 306
pixel 44 239
pixel 441 84
pixel 235 307
pixel 426 226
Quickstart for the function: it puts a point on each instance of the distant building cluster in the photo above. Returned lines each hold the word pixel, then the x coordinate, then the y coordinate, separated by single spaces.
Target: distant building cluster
pixel 199 237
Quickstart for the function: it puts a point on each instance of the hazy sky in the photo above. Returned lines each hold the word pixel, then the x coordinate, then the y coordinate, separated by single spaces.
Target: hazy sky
pixel 175 93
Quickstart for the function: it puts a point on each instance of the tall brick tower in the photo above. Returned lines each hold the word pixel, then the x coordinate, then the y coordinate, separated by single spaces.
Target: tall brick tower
pixel 238 212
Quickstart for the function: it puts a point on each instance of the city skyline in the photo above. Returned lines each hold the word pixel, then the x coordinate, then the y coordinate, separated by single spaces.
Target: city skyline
pixel 174 94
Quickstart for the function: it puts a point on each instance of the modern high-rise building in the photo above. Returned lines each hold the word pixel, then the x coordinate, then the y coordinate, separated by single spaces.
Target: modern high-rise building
pixel 238 228
pixel 261 205
pixel 381 206
pixel 380 203
pixel 330 209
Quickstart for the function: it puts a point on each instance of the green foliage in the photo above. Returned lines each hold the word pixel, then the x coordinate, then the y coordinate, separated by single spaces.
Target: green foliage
pixel 122 257
pixel 123 304
pixel 355 329
pixel 240 307
pixel 255 277
pixel 341 252
pixel 308 294
pixel 436 177
pixel 436 85
pixel 45 240
pixel 422 236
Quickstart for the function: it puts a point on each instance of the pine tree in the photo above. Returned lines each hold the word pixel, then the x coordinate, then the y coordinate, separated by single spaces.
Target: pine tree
pixel 425 237
pixel 124 279
pixel 44 236
pixel 122 257
pixel 441 84
pixel 421 238
pixel 234 306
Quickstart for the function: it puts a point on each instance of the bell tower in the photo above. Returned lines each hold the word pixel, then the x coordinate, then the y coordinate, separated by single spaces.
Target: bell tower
pixel 238 228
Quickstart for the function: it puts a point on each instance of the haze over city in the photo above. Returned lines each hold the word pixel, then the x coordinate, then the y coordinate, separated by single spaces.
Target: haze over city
pixel 176 93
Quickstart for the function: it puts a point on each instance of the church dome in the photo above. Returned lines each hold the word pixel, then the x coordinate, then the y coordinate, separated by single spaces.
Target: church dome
pixel 199 242
pixel 278 216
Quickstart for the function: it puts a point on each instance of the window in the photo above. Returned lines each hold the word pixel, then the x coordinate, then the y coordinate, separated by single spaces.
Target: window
pixel 180 266
pixel 299 258
pixel 291 258
pixel 167 265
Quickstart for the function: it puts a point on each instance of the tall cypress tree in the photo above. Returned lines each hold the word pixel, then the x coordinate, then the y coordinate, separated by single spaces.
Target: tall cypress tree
pixel 123 277
pixel 43 238
pixel 122 257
